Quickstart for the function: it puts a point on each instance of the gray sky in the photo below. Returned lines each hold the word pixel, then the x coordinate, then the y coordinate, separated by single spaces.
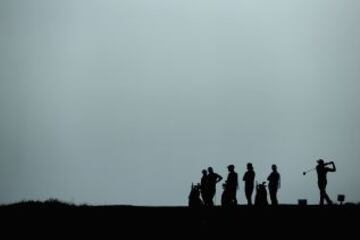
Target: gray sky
pixel 125 102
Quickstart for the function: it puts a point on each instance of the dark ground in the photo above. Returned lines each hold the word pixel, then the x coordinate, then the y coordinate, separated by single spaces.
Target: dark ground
pixel 58 219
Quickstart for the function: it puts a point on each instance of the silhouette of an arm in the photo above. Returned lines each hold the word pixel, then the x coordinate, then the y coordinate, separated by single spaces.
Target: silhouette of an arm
pixel 333 169
pixel 218 178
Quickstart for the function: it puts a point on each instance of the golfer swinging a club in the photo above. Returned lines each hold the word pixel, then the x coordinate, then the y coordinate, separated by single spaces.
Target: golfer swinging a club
pixel 322 171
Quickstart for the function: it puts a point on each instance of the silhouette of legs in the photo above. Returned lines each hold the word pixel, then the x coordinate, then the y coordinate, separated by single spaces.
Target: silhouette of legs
pixel 232 195
pixel 273 197
pixel 205 198
pixel 248 193
pixel 225 199
pixel 211 197
pixel 323 195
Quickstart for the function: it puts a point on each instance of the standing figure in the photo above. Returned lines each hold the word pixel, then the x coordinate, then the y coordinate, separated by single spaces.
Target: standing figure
pixel 249 178
pixel 322 171
pixel 230 187
pixel 204 187
pixel 274 184
pixel 213 179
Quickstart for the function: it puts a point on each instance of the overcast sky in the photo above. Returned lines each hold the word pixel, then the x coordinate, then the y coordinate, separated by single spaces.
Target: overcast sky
pixel 126 101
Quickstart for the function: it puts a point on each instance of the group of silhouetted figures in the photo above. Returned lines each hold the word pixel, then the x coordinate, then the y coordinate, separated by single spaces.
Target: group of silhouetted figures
pixel 203 193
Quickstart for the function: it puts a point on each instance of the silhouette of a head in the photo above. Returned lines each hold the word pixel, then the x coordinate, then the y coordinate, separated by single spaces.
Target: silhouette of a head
pixel 204 172
pixel 231 167
pixel 320 162
pixel 274 167
pixel 250 166
pixel 210 170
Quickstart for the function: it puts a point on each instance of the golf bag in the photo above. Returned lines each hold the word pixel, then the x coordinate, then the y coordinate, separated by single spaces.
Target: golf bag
pixel 261 195
pixel 194 196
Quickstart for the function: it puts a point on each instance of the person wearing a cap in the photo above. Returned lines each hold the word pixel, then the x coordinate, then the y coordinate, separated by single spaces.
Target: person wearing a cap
pixel 249 178
pixel 205 188
pixel 232 185
pixel 322 171
pixel 212 179
pixel 274 184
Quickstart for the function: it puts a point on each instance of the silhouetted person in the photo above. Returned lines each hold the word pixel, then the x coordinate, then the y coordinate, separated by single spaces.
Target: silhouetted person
pixel 274 184
pixel 261 195
pixel 322 171
pixel 249 178
pixel 230 187
pixel 213 179
pixel 204 185
pixel 194 197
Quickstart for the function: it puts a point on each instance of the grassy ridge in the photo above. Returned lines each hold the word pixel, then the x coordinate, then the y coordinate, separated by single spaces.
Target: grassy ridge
pixel 60 216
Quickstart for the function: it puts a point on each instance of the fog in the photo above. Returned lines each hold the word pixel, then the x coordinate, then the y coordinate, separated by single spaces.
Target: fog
pixel 125 102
